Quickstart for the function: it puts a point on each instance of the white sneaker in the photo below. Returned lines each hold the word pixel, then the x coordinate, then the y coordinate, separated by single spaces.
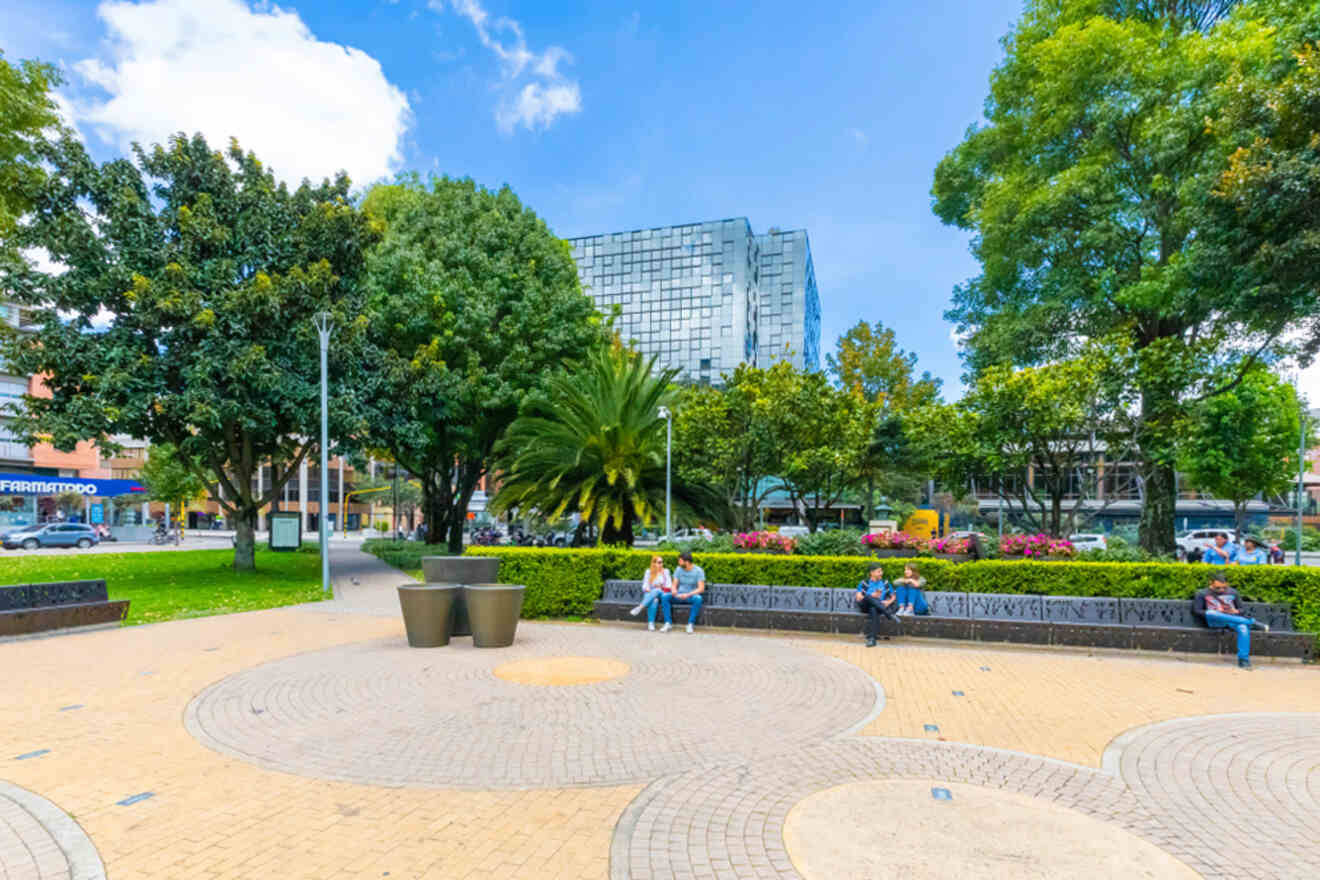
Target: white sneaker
pixel 651 627
pixel 635 610
pixel 689 627
pixel 666 628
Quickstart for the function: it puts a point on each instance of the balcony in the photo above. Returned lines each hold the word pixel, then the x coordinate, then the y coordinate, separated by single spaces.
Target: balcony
pixel 12 451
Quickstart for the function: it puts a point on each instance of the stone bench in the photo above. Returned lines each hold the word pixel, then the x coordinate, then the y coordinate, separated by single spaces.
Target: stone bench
pixel 37 608
pixel 1079 621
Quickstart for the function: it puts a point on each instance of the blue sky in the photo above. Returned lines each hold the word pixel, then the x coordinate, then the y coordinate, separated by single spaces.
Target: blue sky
pixel 601 116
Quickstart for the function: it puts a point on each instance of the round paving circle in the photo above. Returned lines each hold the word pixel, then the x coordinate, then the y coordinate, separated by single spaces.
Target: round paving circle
pixel 897 828
pixel 382 713
pixel 1242 791
pixel 561 671
pixel 39 841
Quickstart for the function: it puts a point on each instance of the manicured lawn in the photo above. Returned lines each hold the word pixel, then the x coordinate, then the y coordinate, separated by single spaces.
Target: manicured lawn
pixel 175 584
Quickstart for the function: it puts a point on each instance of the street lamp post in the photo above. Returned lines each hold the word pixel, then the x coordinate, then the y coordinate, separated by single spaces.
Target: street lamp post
pixel 323 324
pixel 1301 463
pixel 669 441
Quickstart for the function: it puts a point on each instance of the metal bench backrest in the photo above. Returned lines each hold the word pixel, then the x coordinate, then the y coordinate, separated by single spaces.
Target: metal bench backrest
pixel 22 596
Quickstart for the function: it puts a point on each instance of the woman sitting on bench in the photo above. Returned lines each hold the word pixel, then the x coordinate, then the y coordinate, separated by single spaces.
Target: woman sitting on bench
pixel 911 599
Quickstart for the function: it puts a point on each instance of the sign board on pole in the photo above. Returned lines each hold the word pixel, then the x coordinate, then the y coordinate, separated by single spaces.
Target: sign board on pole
pixel 97 513
pixel 285 530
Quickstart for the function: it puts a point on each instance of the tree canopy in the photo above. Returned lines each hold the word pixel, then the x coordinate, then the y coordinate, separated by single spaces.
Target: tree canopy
pixel 870 360
pixel 1094 191
pixel 185 315
pixel 27 115
pixel 473 304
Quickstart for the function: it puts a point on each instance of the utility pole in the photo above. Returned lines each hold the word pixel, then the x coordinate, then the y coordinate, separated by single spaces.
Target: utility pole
pixel 323 324
pixel 669 440
pixel 1301 462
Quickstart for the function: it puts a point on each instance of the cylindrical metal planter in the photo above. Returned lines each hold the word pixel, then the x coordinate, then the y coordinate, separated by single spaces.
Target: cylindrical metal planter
pixel 494 610
pixel 427 612
pixel 460 570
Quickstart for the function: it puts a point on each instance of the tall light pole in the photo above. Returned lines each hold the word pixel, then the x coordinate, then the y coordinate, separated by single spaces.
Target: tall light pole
pixel 323 324
pixel 1301 462
pixel 669 441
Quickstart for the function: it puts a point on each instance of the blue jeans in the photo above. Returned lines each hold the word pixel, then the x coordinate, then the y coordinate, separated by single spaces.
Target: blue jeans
pixel 668 600
pixel 1243 625
pixel 912 596
pixel 650 601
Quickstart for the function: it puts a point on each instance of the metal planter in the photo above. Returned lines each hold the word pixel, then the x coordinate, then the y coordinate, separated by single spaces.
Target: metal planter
pixel 428 612
pixel 460 570
pixel 494 610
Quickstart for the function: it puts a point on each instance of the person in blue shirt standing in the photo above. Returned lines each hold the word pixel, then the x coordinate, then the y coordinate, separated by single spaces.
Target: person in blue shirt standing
pixel 1221 552
pixel 876 596
pixel 1252 553
pixel 689 585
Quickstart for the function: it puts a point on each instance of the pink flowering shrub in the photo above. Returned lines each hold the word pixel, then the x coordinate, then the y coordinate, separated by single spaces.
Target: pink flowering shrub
pixel 769 542
pixel 894 541
pixel 949 545
pixel 1035 546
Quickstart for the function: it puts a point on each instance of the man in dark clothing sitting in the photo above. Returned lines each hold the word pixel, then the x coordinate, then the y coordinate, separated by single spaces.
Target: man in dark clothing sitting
pixel 1218 607
pixel 875 596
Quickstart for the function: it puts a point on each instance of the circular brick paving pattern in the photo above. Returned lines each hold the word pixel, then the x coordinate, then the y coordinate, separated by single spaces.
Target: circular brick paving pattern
pixel 39 841
pixel 1241 791
pixel 384 714
pixel 729 823
pixel 898 828
pixel 561 671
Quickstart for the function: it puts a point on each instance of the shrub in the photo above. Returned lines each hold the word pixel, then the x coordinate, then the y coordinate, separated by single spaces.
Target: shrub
pixel 1033 546
pixel 566 582
pixel 953 546
pixel 831 542
pixel 894 541
pixel 769 542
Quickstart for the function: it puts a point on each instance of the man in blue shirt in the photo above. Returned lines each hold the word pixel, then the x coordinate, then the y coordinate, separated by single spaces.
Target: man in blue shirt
pixel 1220 552
pixel 689 585
pixel 875 596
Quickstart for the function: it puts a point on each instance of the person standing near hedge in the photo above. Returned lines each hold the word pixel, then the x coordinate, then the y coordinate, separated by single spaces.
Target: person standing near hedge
pixel 875 596
pixel 911 599
pixel 1221 552
pixel 689 585
pixel 1218 607
pixel 655 583
pixel 1252 553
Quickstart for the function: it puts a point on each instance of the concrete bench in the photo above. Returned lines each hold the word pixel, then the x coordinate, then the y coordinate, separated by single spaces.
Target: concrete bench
pixel 37 608
pixel 1081 621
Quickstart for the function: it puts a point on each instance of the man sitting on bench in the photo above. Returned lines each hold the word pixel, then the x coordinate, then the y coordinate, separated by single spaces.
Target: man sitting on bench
pixel 876 596
pixel 1218 607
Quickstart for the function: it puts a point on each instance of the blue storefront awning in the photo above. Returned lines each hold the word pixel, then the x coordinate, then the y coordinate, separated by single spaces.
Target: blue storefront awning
pixel 37 484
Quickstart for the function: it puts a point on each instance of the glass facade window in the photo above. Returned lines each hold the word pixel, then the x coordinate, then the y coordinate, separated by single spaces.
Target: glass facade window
pixel 674 285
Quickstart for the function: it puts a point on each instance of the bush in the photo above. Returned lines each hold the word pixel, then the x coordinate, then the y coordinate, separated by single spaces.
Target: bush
pixel 771 542
pixel 831 542
pixel 567 582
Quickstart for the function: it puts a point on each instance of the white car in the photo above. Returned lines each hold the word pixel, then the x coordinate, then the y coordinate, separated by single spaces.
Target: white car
pixel 794 531
pixel 697 534
pixel 1199 539
pixel 1089 541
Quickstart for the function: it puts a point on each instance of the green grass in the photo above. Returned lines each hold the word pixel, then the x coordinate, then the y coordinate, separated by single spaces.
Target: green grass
pixel 171 585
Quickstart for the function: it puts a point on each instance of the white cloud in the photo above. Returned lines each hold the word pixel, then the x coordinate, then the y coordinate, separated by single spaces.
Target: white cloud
pixel 535 104
pixel 307 108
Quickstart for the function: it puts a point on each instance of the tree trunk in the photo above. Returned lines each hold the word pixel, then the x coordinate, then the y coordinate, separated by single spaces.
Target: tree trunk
pixel 435 507
pixel 245 541
pixel 612 535
pixel 1056 516
pixel 1158 467
pixel 1157 514
pixel 1239 519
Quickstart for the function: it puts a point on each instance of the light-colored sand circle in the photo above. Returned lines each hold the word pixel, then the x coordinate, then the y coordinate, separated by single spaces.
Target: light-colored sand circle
pixel 560 671
pixel 896 828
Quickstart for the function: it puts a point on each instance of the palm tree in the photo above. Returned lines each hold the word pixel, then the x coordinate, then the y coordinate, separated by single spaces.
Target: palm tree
pixel 594 445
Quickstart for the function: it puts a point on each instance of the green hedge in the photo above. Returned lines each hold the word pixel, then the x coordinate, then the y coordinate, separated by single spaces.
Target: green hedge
pixel 566 582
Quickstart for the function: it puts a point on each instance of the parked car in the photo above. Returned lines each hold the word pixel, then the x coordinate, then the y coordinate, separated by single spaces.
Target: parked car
pixel 1089 541
pixel 1190 543
pixel 794 531
pixel 51 535
pixel 687 535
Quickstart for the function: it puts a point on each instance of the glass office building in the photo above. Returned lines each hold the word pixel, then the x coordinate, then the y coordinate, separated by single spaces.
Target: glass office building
pixel 693 294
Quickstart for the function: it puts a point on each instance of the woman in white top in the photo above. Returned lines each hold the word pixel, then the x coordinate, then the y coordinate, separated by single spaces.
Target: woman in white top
pixel 655 583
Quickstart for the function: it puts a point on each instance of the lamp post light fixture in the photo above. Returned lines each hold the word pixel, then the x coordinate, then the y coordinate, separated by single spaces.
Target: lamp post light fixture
pixel 669 442
pixel 324 323
pixel 1301 462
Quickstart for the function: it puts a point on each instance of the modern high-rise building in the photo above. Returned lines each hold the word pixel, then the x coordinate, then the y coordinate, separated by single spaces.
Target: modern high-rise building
pixel 706 297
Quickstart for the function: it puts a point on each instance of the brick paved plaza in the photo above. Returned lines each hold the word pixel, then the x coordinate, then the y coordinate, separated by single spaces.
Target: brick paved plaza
pixel 310 742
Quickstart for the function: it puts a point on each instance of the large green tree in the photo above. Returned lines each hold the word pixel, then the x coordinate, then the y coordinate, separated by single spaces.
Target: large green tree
pixel 28 115
pixel 1244 442
pixel 1093 192
pixel 169 477
pixel 202 274
pixel 869 358
pixel 594 444
pixel 473 305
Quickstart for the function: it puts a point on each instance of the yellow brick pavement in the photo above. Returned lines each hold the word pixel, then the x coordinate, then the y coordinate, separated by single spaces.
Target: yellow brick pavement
pixel 1065 705
pixel 216 817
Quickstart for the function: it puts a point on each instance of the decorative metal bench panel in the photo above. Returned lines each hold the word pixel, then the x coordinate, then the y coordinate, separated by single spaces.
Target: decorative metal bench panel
pixel 36 608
